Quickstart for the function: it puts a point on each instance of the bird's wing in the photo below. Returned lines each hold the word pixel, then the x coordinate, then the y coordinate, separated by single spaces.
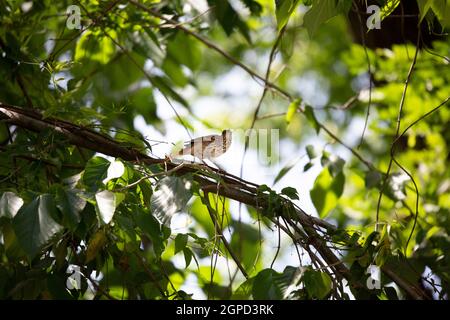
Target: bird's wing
pixel 205 139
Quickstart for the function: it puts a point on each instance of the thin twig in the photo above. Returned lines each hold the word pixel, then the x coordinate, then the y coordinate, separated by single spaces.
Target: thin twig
pixel 213 46
pixel 222 237
pixel 397 130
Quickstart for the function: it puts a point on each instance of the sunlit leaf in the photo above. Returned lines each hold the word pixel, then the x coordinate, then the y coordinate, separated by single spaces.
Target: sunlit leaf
pixel 284 10
pixel 107 202
pixel 171 196
pixel 388 8
pixel 326 191
pixel 292 110
pixel 9 205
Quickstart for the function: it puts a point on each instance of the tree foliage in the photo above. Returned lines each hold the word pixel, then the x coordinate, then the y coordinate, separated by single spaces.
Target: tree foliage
pixel 86 205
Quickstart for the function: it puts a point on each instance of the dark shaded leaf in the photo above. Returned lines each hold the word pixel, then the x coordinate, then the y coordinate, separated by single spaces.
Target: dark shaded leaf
pixel 180 242
pixel 34 225
pixel 70 204
pixel 265 286
pixel 290 192
pixel 309 114
pixel 95 172
pixel 317 283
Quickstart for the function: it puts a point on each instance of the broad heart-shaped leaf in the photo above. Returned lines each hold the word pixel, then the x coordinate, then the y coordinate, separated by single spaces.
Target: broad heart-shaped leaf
pixel 171 196
pixel 70 204
pixel 151 227
pixel 107 202
pixel 265 287
pixel 317 283
pixel 34 225
pixel 326 191
pixel 320 12
pixel 9 205
pixel 271 285
pixel 95 172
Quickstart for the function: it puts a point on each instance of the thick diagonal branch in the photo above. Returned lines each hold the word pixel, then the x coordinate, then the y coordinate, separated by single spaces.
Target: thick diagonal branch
pixel 231 187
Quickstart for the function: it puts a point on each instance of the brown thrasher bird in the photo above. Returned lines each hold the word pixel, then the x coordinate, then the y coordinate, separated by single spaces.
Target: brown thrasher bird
pixel 207 147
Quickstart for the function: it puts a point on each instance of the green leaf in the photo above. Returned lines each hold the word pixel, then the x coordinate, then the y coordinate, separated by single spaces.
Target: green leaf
pixel 441 9
pixel 284 10
pixel 56 285
pixel 96 243
pixel 326 192
pixel 311 151
pixel 106 204
pixel 115 170
pixel 372 179
pixel 265 286
pixel 9 205
pixel 245 242
pixel 188 254
pixel 95 172
pixel 264 188
pixel 142 101
pixel 335 165
pixel 254 7
pixel 185 50
pixel 388 8
pixel 163 85
pixel 171 196
pixel 309 114
pixel 244 291
pixel 269 285
pixel 308 166
pixel 320 12
pixel 152 228
pixel 424 7
pixel 180 242
pixel 175 72
pixel 285 170
pixel 228 18
pixel 290 192
pixel 34 225
pixel 317 283
pixel 70 204
pixel 96 46
pixel 292 110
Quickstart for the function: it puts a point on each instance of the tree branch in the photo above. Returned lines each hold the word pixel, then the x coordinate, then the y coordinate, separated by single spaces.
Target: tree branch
pixel 231 186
